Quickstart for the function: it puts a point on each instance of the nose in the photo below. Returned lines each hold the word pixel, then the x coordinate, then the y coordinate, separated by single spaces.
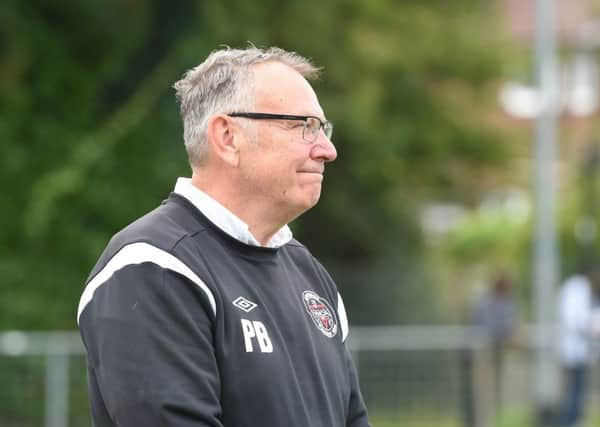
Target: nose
pixel 323 149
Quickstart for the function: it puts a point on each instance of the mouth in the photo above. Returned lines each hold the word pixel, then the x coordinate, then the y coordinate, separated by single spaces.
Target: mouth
pixel 313 172
pixel 311 177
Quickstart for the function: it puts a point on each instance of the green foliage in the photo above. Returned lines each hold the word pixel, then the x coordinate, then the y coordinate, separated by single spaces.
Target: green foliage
pixel 91 137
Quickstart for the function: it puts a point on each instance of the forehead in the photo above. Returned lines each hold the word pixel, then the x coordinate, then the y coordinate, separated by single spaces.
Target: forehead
pixel 281 89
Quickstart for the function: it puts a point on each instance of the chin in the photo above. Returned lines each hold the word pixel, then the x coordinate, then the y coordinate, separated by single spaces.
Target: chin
pixel 303 199
pixel 312 201
pixel 304 205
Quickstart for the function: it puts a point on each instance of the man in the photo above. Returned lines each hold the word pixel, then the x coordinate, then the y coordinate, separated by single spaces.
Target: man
pixel 206 312
pixel 578 326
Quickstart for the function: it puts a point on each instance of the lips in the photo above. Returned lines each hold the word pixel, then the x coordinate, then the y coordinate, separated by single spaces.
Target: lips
pixel 320 172
pixel 311 177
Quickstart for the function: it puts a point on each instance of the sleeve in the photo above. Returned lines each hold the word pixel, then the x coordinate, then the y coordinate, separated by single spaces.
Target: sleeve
pixel 357 411
pixel 148 332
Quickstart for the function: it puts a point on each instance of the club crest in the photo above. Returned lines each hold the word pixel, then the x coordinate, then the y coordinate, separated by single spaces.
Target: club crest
pixel 321 313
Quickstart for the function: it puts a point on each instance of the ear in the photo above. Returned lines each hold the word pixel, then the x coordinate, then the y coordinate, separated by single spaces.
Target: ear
pixel 224 136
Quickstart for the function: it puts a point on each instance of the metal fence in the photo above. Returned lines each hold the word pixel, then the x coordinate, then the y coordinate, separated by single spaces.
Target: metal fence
pixel 43 380
pixel 421 376
pixel 417 376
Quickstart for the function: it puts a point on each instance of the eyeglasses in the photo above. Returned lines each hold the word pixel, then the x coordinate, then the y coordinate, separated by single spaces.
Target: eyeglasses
pixel 310 130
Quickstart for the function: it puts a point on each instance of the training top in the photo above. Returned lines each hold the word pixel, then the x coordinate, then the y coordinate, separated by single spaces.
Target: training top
pixel 185 325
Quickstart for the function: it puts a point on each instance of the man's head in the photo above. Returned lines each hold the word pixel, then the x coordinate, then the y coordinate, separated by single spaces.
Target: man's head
pixel 232 106
pixel 224 83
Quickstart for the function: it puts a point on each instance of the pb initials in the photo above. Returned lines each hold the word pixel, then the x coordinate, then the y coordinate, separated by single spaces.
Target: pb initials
pixel 257 331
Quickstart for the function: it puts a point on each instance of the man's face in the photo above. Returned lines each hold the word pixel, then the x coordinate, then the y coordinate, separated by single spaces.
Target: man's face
pixel 279 167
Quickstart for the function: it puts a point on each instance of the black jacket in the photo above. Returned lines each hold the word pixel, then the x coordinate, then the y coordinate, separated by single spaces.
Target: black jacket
pixel 186 326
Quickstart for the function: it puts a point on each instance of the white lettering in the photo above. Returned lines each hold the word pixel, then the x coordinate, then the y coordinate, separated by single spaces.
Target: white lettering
pixel 248 335
pixel 263 337
pixel 257 331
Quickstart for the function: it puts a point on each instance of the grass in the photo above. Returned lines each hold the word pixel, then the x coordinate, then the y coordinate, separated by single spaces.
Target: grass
pixel 509 418
pixel 379 420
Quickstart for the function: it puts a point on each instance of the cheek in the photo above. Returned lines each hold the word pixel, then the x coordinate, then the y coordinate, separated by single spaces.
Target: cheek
pixel 273 166
pixel 273 176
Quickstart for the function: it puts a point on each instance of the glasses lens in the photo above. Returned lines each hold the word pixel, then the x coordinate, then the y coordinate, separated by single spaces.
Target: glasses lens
pixel 328 129
pixel 311 129
pixel 312 126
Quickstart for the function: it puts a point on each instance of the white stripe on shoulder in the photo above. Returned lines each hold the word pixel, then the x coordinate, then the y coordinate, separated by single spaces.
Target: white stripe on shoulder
pixel 343 317
pixel 137 253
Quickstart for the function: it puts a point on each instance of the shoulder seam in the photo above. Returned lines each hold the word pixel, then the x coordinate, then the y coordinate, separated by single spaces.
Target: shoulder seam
pixel 187 236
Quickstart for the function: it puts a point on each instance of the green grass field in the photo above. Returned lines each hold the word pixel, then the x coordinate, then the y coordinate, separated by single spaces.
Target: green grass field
pixel 514 418
pixel 508 418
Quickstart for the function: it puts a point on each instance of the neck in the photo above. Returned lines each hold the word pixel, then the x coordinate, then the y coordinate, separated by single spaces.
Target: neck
pixel 262 222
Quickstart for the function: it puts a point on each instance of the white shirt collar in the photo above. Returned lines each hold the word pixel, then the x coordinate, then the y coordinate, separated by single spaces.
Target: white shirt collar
pixel 224 218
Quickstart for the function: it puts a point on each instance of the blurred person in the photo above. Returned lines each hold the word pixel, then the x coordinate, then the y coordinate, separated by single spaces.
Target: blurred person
pixel 495 313
pixel 578 326
pixel 206 311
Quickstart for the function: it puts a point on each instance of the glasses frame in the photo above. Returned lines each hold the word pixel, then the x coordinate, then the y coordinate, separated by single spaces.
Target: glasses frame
pixel 324 125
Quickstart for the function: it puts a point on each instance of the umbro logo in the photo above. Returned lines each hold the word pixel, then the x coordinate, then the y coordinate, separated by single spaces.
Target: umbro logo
pixel 244 304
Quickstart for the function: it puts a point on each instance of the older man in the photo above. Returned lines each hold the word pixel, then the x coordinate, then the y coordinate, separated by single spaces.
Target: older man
pixel 205 311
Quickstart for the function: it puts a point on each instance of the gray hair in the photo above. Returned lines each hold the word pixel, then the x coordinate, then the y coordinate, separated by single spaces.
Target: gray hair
pixel 223 84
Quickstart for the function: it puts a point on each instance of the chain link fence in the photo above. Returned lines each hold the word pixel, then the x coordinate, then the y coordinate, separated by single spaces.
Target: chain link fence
pixel 415 376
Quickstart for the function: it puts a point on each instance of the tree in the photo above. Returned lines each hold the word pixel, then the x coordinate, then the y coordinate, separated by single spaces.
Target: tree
pixel 91 137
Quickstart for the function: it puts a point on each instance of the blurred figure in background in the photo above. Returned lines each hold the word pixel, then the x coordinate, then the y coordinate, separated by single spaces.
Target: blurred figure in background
pixel 495 313
pixel 578 325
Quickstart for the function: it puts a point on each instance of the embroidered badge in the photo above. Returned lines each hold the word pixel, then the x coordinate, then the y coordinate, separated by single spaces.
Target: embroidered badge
pixel 321 313
pixel 244 304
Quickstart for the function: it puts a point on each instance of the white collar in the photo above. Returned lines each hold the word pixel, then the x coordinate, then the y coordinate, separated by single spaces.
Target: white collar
pixel 224 218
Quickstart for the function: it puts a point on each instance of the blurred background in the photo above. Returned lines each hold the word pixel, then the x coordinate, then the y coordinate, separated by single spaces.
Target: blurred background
pixel 468 169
